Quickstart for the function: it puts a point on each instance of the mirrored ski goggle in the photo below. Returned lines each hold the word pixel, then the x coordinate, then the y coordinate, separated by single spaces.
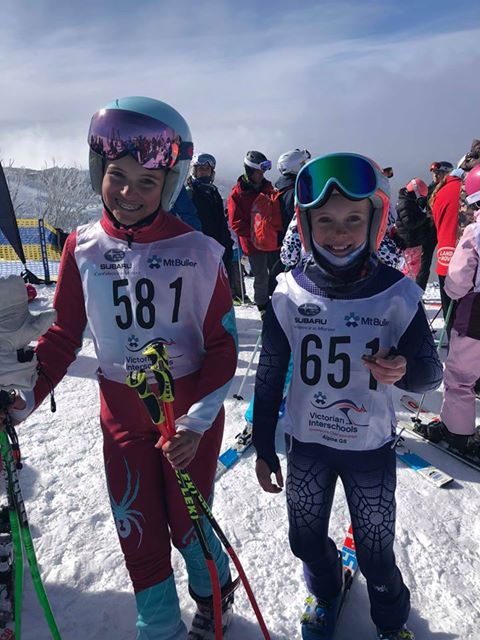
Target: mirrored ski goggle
pixel 116 132
pixel 353 175
pixel 205 160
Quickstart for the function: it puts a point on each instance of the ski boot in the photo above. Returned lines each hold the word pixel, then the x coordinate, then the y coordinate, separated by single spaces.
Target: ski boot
pixel 203 624
pixel 399 634
pixel 437 431
pixel 320 617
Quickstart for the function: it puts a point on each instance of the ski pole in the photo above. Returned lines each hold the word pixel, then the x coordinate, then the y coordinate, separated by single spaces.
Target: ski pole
pixel 157 354
pixel 17 555
pixel 158 413
pixel 238 395
pixel 430 324
pixel 240 274
pixel 17 498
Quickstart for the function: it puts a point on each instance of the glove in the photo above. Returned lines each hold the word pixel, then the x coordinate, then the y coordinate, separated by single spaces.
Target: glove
pixel 18 327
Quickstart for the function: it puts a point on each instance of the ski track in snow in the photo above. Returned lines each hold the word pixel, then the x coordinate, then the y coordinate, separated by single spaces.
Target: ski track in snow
pixel 437 540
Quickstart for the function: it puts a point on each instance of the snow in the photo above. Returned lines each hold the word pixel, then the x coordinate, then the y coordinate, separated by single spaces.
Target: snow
pixel 437 541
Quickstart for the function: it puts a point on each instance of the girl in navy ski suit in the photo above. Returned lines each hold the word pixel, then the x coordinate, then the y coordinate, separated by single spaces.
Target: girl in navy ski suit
pixel 353 327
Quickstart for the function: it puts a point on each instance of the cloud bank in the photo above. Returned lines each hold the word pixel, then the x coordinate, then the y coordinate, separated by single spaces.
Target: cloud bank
pixel 340 76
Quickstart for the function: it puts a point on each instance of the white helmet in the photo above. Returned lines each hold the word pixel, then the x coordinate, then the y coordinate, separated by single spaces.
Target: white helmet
pixel 293 161
pixel 203 159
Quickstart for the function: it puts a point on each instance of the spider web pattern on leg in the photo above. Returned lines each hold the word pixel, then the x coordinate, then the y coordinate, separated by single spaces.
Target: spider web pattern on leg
pixel 310 489
pixel 371 498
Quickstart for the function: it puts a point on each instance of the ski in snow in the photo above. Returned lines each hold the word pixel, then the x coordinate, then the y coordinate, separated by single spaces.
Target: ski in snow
pixel 244 439
pixel 231 455
pixel 323 628
pixel 415 426
pixel 432 474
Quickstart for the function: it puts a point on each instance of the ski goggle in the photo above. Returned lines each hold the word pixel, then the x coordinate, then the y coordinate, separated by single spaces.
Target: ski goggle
pixel 353 175
pixel 265 165
pixel 204 160
pixel 154 145
pixel 440 166
pixel 473 201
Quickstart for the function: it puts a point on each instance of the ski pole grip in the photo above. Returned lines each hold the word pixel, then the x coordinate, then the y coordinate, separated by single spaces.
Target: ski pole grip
pixel 169 419
pixel 137 380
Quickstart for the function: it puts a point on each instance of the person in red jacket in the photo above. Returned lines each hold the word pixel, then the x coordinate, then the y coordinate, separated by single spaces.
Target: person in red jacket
pixel 137 275
pixel 239 208
pixel 445 203
pixel 449 214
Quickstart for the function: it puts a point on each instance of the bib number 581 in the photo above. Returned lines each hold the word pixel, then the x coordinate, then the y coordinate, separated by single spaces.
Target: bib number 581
pixel 141 309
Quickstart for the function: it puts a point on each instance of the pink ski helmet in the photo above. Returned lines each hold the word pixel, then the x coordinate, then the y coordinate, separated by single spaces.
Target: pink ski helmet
pixel 418 186
pixel 472 186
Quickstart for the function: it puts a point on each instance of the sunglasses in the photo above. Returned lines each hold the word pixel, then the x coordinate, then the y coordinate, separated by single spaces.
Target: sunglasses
pixel 154 145
pixel 353 175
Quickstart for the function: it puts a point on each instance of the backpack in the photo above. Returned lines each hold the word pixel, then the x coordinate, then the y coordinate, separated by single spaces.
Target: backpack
pixel 266 221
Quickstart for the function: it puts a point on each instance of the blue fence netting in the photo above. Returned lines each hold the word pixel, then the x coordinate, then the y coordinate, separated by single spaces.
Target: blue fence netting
pixel 30 235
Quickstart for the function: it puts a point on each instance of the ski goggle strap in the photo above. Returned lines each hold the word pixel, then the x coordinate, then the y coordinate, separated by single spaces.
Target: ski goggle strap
pixel 353 175
pixel 266 165
pixel 116 132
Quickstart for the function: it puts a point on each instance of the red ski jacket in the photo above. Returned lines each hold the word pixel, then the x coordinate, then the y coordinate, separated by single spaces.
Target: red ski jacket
pixel 239 207
pixel 445 215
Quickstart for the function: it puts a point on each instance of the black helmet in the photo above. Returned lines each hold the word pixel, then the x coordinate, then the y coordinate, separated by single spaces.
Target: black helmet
pixel 257 160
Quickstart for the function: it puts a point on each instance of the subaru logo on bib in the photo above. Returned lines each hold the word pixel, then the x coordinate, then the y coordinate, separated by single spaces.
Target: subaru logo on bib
pixel 114 255
pixel 309 309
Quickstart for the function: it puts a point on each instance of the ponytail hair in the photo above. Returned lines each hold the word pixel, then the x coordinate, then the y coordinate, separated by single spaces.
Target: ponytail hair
pixel 436 190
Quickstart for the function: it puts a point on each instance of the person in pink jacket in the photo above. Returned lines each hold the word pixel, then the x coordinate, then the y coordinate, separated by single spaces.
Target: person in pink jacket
pixel 462 369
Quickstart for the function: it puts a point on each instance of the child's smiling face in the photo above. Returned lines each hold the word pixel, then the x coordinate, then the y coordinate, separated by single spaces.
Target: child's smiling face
pixel 341 225
pixel 131 192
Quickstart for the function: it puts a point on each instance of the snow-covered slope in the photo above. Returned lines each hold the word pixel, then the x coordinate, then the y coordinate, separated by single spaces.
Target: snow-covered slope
pixel 437 544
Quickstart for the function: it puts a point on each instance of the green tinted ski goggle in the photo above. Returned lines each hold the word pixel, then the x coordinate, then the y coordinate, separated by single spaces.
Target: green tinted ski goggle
pixel 354 176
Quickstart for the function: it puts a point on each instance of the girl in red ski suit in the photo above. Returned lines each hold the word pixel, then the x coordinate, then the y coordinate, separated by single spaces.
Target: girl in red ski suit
pixel 137 275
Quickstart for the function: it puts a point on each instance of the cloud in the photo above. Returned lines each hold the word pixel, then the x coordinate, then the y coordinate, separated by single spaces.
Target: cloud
pixel 330 77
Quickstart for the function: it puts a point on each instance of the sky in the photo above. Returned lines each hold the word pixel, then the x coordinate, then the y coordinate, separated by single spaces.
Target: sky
pixel 398 82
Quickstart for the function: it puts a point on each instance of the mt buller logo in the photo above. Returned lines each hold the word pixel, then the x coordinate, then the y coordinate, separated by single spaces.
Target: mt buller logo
pixel 309 309
pixel 352 320
pixel 155 262
pixel 114 255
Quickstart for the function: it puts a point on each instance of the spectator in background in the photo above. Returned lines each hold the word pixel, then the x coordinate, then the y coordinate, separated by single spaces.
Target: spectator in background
pixel 439 170
pixel 288 165
pixel 389 252
pixel 413 227
pixel 184 209
pixel 209 204
pixel 449 211
pixel 457 425
pixel 388 171
pixel 240 201
pixel 237 275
